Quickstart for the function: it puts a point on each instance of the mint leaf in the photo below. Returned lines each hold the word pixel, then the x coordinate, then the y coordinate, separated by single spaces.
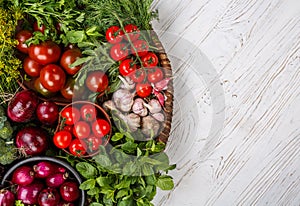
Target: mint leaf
pixel 88 184
pixel 86 170
pixel 165 182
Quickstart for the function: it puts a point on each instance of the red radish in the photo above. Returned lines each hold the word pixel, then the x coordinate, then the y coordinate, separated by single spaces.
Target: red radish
pixel 29 194
pixel 57 179
pixel 22 107
pixel 32 140
pixel 69 191
pixel 7 198
pixel 23 175
pixel 49 197
pixel 44 169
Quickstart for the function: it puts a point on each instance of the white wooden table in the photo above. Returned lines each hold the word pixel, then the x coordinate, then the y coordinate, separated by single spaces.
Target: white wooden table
pixel 236 128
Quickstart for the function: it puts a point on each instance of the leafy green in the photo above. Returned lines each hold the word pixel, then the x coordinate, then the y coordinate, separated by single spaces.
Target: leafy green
pixel 8 153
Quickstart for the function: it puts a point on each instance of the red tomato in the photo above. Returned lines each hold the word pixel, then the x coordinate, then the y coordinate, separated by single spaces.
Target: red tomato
pixel 68 128
pixel 155 75
pixel 138 75
pixel 40 28
pixel 41 89
pixel 93 143
pixel 22 36
pixel 150 59
pixel 52 77
pixel 97 81
pixel 45 53
pixel 140 47
pixel 62 139
pixel 81 129
pixel 88 112
pixel 132 31
pixel 31 67
pixel 143 90
pixel 119 51
pixel 127 66
pixel 114 34
pixel 68 90
pixel 68 58
pixel 100 128
pixel 77 147
pixel 71 115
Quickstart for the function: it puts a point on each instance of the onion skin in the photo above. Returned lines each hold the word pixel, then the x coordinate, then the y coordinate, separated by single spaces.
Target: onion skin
pixel 7 198
pixel 33 140
pixel 57 179
pixel 22 107
pixel 23 176
pixel 29 193
pixel 44 169
pixel 49 197
pixel 69 191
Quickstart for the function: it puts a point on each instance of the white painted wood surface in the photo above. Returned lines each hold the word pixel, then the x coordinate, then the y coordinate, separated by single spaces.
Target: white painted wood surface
pixel 236 129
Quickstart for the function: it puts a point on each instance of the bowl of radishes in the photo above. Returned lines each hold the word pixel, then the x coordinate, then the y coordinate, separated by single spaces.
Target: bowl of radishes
pixel 43 181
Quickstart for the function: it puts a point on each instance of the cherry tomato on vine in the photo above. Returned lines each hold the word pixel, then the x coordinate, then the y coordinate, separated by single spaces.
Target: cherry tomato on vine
pixel 138 75
pixel 52 77
pixel 100 128
pixel 143 89
pixel 155 75
pixel 132 31
pixel 71 115
pixel 97 81
pixel 77 147
pixel 119 51
pixel 31 67
pixel 62 139
pixel 88 112
pixel 40 28
pixel 127 66
pixel 68 128
pixel 140 47
pixel 44 53
pixel 93 143
pixel 149 60
pixel 81 129
pixel 68 58
pixel 114 34
pixel 23 36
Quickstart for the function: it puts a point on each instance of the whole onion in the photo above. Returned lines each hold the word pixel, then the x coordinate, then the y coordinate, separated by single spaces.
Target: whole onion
pixel 49 197
pixel 22 107
pixel 23 175
pixel 32 140
pixel 69 191
pixel 57 179
pixel 44 169
pixel 7 198
pixel 29 193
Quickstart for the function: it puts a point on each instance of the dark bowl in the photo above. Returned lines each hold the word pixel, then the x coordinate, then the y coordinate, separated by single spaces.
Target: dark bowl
pixel 72 172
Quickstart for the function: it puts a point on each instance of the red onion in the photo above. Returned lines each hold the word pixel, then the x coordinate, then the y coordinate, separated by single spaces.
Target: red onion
pixel 29 193
pixel 23 175
pixel 61 169
pixel 44 169
pixel 69 191
pixel 49 197
pixel 57 179
pixel 32 140
pixel 22 107
pixel 7 198
pixel 65 204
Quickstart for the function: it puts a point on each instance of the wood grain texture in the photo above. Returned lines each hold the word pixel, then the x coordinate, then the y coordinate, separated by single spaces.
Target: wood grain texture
pixel 254 47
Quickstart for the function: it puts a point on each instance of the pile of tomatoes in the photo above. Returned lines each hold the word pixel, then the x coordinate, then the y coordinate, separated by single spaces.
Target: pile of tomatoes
pixel 136 60
pixel 82 129
pixel 49 65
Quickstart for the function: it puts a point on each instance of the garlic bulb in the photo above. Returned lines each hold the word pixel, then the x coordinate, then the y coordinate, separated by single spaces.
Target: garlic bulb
pixel 159 117
pixel 153 106
pixel 133 121
pixel 127 83
pixel 139 108
pixel 123 100
pixel 150 127
pixel 109 105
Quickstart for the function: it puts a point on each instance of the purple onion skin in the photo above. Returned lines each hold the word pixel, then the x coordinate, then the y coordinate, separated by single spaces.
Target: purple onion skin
pixel 61 169
pixel 56 180
pixel 7 198
pixel 49 197
pixel 44 169
pixel 23 175
pixel 65 204
pixel 33 140
pixel 29 194
pixel 69 191
pixel 22 107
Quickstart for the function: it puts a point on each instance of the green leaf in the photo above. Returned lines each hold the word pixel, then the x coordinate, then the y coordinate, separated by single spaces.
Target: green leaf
pixel 75 37
pixel 122 193
pixel 80 61
pixel 147 170
pixel 129 146
pixel 103 161
pixel 127 202
pixel 104 181
pixel 88 184
pixel 94 191
pixel 165 182
pixel 86 170
pixel 151 179
pixel 96 204
pixel 123 184
pixel 117 136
